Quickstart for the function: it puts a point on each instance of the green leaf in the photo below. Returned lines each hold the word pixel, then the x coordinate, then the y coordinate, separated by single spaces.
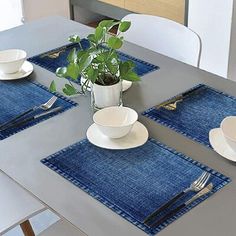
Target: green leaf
pixel 92 39
pixel 106 23
pixel 124 68
pixel 101 67
pixel 80 54
pixel 124 26
pixel 131 76
pixel 113 68
pixel 52 87
pixel 131 64
pixel 85 61
pixel 101 57
pixel 99 33
pixel 74 39
pixel 112 55
pixel 114 42
pixel 66 92
pixel 61 72
pixel 73 71
pixel 70 90
pixel 72 57
pixel 92 74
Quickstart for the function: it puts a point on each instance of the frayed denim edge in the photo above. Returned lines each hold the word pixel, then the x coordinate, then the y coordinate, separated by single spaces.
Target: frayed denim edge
pixel 146 114
pixel 116 209
pixel 73 104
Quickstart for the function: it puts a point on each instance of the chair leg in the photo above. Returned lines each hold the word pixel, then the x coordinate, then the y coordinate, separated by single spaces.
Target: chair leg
pixel 27 228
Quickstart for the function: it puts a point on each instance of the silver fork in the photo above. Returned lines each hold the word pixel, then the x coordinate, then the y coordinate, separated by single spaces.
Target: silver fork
pixel 195 186
pixel 199 183
pixel 45 106
pixel 172 106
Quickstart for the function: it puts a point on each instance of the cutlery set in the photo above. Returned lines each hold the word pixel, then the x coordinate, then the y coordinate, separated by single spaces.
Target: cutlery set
pixel 24 117
pixel 54 54
pixel 197 186
pixel 171 104
pixel 200 186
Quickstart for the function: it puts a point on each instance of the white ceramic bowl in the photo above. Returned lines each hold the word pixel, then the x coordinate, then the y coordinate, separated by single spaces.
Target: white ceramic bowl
pixel 11 60
pixel 228 127
pixel 115 122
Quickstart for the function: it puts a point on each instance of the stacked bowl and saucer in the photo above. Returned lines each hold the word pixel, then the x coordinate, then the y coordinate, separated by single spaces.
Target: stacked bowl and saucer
pixel 117 127
pixel 13 64
pixel 223 139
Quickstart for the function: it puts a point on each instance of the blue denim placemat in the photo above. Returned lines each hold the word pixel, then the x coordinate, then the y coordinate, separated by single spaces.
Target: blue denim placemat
pixel 198 113
pixel 134 182
pixel 19 96
pixel 52 64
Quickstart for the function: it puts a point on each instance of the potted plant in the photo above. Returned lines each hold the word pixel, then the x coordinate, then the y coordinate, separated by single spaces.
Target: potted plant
pixel 99 66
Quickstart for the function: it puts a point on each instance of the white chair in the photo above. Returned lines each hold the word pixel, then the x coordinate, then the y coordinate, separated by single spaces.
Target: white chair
pixel 17 206
pixel 62 228
pixel 164 36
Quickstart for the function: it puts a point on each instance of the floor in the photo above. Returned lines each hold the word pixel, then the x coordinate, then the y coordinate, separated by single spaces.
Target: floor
pixel 11 16
pixel 39 223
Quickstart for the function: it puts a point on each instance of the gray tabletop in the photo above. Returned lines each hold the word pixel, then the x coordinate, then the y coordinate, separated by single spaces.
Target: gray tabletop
pixel 20 154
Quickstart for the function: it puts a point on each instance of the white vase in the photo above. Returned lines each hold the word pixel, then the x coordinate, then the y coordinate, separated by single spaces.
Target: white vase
pixel 106 96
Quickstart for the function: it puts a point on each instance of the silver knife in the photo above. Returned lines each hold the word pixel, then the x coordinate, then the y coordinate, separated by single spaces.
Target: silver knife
pixel 203 192
pixel 27 120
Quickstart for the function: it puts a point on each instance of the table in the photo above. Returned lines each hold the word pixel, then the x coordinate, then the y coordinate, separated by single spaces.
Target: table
pixel 20 154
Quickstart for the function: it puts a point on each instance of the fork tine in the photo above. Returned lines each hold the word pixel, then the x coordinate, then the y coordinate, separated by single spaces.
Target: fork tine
pixel 201 177
pixel 203 180
pixel 51 101
pixel 199 180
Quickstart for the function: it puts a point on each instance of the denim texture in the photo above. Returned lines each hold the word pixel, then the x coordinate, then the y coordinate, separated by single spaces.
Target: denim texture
pixel 19 96
pixel 134 182
pixel 198 113
pixel 52 64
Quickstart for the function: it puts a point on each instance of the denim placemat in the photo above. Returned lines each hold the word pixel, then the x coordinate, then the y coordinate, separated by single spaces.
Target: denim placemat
pixel 46 61
pixel 198 113
pixel 19 96
pixel 134 182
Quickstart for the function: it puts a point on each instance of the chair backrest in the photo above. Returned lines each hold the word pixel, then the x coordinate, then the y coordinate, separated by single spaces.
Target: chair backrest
pixel 164 36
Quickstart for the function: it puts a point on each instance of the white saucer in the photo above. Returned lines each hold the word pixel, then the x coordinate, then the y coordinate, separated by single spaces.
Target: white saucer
pixel 26 69
pixel 137 137
pixel 125 84
pixel 219 144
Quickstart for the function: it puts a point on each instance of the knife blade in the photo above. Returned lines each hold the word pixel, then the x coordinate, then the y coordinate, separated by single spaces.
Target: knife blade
pixel 178 97
pixel 203 192
pixel 24 121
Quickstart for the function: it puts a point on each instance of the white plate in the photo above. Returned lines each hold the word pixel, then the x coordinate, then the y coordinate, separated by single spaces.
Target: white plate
pixel 137 137
pixel 26 69
pixel 217 141
pixel 125 84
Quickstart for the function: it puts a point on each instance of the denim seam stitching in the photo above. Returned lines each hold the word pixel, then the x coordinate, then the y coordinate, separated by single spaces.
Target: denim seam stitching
pixel 153 67
pixel 48 117
pixel 121 212
pixel 55 93
pixel 178 130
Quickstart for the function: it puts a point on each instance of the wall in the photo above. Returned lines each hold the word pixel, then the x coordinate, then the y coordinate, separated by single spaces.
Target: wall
pixel 232 56
pixel 85 16
pixel 10 14
pixel 34 9
pixel 212 19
